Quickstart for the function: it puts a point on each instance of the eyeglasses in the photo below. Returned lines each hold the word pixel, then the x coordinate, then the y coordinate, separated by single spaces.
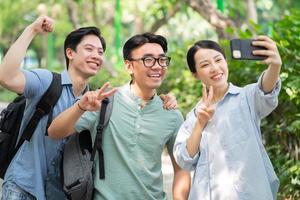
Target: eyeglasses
pixel 149 61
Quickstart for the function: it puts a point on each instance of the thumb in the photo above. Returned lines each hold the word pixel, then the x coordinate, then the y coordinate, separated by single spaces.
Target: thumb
pixel 163 97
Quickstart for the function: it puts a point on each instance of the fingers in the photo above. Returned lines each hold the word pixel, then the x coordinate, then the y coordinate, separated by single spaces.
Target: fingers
pixel 204 92
pixel 263 38
pixel 210 95
pixel 47 24
pixel 271 52
pixel 104 87
pixel 163 97
pixel 170 104
pixel 91 97
pixel 207 98
pixel 204 114
pixel 104 92
pixel 43 24
pixel 207 109
pixel 169 100
pixel 89 101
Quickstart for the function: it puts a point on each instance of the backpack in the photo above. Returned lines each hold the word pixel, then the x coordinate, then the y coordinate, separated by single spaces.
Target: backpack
pixel 11 118
pixel 78 157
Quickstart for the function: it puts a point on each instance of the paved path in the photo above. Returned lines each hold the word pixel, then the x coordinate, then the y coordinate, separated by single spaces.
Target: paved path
pixel 167 169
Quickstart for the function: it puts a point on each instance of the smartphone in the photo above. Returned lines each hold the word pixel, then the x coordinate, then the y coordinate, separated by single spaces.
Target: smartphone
pixel 241 49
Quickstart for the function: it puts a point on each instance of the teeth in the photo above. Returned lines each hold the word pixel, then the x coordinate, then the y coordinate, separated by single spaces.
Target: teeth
pixel 155 75
pixel 217 76
pixel 94 63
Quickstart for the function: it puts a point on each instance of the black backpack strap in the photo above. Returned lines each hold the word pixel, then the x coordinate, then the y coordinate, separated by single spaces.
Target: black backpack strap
pixel 44 106
pixel 106 109
pixel 98 141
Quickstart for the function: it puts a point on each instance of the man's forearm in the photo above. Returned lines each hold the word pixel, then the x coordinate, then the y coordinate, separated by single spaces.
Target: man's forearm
pixel 181 185
pixel 63 124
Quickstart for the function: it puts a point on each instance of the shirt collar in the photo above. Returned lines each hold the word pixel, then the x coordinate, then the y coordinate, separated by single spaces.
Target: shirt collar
pixel 130 93
pixel 65 78
pixel 233 89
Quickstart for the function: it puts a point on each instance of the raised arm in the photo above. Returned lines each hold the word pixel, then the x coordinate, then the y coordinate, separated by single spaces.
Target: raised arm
pixel 11 76
pixel 63 124
pixel 273 61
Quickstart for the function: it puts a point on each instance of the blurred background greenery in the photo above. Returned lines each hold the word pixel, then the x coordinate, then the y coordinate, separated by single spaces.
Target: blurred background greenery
pixel 182 22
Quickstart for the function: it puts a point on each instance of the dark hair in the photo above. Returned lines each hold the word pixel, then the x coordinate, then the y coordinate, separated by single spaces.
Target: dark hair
pixel 75 37
pixel 202 44
pixel 141 39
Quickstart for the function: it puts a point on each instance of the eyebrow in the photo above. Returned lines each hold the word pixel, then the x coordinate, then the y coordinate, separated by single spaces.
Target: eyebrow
pixel 217 56
pixel 153 55
pixel 93 46
pixel 207 60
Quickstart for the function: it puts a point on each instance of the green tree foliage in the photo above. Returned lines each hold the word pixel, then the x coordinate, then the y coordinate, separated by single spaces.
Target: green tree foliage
pixel 283 127
pixel 183 26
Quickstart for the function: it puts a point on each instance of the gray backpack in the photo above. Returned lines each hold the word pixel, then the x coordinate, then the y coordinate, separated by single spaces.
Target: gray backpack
pixel 78 157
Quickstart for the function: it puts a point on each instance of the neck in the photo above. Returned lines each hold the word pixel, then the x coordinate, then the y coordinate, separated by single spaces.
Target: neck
pixel 144 94
pixel 79 82
pixel 220 92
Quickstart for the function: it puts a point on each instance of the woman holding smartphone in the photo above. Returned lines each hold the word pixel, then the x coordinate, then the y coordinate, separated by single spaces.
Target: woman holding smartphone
pixel 221 137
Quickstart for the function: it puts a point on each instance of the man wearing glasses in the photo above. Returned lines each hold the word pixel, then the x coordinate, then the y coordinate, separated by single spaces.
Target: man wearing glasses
pixel 138 130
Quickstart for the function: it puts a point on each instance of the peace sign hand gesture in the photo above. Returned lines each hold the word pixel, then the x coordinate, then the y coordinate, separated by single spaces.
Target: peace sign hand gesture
pixel 91 100
pixel 205 110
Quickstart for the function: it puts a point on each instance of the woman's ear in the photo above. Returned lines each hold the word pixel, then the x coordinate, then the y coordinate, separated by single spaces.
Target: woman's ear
pixel 195 74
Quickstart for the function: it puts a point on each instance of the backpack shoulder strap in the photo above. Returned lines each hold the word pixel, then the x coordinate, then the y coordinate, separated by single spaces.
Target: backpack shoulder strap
pixel 105 113
pixel 44 106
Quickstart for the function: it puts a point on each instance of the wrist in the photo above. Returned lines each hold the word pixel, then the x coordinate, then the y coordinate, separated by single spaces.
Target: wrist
pixel 199 126
pixel 31 30
pixel 80 107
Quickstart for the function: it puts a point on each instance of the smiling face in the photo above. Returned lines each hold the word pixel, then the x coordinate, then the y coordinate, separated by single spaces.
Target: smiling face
pixel 88 57
pixel 146 78
pixel 211 68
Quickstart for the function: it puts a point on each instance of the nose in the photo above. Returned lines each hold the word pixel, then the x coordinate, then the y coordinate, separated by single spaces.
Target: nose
pixel 96 55
pixel 213 66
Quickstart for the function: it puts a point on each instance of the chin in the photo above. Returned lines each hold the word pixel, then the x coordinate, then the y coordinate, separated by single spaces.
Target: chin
pixel 220 85
pixel 89 74
pixel 155 86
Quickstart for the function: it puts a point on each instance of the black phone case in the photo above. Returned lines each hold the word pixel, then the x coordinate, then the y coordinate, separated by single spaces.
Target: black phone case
pixel 241 49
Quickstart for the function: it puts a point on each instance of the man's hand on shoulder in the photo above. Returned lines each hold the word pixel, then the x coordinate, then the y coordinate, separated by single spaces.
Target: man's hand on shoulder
pixel 169 101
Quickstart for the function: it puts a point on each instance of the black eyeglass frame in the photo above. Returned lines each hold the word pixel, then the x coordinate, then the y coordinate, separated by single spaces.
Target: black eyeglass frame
pixel 155 60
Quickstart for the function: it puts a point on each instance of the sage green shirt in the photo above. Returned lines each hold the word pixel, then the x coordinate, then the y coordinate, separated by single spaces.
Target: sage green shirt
pixel 133 143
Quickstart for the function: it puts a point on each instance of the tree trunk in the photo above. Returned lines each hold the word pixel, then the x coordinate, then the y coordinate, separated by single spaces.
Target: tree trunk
pixel 171 13
pixel 88 11
pixel 73 13
pixel 95 15
pixel 251 11
pixel 213 16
